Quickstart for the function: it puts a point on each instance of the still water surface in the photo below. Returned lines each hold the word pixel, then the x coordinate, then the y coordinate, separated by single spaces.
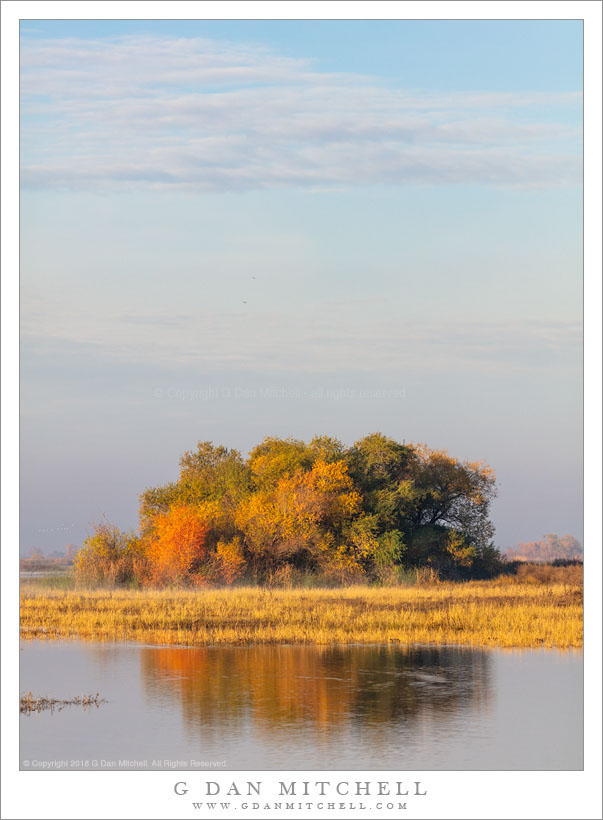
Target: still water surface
pixel 300 707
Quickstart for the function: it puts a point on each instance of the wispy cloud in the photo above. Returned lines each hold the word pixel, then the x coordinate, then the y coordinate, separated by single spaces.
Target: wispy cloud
pixel 203 115
pixel 319 342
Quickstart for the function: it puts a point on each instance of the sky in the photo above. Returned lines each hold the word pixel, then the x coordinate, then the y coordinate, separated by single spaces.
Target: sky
pixel 235 229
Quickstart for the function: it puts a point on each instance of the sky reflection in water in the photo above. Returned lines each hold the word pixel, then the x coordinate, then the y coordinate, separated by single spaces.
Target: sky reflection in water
pixel 306 707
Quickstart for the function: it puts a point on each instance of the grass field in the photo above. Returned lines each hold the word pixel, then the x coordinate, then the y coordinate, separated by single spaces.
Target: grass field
pixel 501 612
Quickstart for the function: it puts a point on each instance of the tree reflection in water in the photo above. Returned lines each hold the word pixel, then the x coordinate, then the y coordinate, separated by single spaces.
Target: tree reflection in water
pixel 320 689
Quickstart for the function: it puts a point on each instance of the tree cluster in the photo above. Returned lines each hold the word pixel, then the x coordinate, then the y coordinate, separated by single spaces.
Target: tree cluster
pixel 293 508
pixel 549 548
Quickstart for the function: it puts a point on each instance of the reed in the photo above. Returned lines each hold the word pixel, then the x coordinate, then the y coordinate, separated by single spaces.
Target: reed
pixel 29 703
pixel 488 613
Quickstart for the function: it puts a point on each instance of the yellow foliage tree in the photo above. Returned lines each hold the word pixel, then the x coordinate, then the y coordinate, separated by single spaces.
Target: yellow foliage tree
pixel 301 516
pixel 109 556
pixel 230 559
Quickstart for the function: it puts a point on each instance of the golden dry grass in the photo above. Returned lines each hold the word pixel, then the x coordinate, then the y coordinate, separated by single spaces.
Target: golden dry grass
pixel 487 613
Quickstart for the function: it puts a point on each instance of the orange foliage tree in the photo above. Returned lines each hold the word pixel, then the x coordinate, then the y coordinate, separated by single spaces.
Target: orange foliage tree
pixel 177 545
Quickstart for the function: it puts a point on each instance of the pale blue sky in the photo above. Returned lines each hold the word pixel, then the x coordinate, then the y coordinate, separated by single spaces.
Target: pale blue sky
pixel 407 196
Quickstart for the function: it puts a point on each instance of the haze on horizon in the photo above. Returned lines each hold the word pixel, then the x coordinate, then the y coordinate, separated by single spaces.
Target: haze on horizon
pixel 238 229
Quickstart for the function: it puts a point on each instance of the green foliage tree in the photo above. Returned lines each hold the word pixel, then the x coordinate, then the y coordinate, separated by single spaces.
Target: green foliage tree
pixel 208 473
pixel 326 448
pixel 214 473
pixel 378 466
pixel 390 548
pixel 277 458
pixel 449 493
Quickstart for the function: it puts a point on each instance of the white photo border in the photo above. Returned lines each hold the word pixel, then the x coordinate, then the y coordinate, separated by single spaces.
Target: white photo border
pixel 450 794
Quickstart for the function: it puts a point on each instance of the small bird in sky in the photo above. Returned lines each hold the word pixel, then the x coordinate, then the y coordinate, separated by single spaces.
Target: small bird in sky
pixel 244 302
pixel 253 277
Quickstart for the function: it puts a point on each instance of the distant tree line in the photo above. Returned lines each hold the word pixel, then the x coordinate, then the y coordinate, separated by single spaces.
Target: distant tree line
pixel 549 548
pixel 291 509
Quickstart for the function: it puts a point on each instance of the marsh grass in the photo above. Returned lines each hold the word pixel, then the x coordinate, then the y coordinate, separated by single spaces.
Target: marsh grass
pixel 29 703
pixel 51 580
pixel 502 612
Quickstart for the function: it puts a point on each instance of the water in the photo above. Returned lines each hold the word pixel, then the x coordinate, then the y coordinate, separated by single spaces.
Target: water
pixel 303 708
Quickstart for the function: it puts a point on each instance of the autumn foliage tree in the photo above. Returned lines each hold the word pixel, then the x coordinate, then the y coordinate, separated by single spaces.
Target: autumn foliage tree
pixel 336 512
pixel 207 474
pixel 299 519
pixel 109 557
pixel 177 548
